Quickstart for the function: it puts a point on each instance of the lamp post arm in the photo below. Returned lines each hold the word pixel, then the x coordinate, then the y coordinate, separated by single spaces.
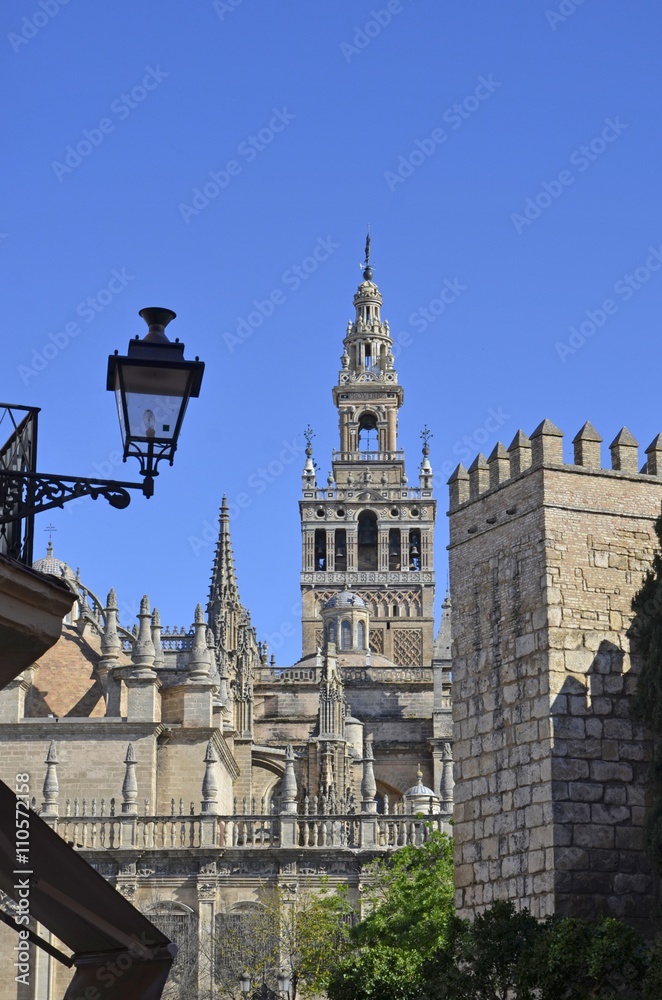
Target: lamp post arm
pixel 25 493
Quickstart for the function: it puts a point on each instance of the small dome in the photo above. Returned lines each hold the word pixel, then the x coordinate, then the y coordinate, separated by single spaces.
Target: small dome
pixel 55 567
pixel 419 789
pixel 345 599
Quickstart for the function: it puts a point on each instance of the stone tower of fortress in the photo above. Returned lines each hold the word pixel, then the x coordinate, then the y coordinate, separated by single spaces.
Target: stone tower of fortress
pixel 545 558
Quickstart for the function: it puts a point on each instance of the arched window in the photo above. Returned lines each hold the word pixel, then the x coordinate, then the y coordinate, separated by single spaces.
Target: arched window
pixel 341 550
pixel 320 549
pixel 345 635
pixel 245 939
pixel 414 550
pixel 331 635
pixel 368 432
pixel 177 921
pixel 360 635
pixel 367 540
pixel 394 549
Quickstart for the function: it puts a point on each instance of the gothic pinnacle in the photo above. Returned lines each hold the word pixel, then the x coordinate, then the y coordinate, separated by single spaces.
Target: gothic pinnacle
pixel 199 664
pixel 143 649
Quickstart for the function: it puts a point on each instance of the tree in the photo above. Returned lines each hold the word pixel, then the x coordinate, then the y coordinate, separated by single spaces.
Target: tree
pixel 410 903
pixel 508 955
pixel 304 933
pixel 581 960
pixel 485 959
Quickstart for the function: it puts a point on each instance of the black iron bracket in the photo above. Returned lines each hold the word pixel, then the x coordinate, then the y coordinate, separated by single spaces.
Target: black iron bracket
pixel 25 493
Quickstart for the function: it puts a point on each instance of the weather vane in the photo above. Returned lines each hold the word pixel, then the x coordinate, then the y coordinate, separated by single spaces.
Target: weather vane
pixel 426 434
pixel 367 270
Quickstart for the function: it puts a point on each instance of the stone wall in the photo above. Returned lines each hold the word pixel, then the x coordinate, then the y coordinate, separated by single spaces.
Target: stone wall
pixel 550 770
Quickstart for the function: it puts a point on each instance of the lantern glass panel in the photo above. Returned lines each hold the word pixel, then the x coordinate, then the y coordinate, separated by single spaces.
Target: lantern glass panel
pixel 150 401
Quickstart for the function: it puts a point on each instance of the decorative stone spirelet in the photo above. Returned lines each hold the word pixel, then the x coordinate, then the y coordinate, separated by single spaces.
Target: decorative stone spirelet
pixel 130 783
pixel 51 788
pixel 289 784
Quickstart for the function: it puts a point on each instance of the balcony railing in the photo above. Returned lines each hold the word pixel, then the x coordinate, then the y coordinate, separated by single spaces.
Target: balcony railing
pixel 18 455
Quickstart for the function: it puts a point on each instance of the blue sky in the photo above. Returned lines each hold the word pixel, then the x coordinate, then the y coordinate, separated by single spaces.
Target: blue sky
pixel 509 150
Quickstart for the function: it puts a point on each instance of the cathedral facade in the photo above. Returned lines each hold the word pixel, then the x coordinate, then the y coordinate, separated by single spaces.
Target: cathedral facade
pixel 189 769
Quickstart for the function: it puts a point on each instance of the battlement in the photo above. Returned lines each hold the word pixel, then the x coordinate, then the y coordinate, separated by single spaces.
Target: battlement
pixel 544 449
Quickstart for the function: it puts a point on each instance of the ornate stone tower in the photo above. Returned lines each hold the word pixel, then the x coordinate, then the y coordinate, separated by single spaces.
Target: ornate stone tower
pixel 367 530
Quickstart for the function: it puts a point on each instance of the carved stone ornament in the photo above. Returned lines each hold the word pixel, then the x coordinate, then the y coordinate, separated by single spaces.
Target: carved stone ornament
pixel 206 890
pixel 126 890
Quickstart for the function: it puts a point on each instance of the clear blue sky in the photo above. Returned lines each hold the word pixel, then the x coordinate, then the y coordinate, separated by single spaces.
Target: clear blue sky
pixel 319 118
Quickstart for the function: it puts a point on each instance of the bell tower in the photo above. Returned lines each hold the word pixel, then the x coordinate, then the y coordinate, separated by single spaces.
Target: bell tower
pixel 367 530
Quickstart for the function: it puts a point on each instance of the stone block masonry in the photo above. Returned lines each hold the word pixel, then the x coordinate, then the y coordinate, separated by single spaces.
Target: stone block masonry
pixel 550 770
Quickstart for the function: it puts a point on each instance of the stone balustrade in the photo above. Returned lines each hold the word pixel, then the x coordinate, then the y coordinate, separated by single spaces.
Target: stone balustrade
pixel 168 833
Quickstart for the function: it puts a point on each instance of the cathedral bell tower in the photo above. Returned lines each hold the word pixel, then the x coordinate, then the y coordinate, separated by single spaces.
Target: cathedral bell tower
pixel 369 531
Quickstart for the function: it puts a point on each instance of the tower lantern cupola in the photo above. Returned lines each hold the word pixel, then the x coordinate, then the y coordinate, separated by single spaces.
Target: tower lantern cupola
pixel 346 622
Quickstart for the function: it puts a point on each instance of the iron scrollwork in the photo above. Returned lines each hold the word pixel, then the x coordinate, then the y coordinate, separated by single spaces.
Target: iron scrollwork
pixel 25 493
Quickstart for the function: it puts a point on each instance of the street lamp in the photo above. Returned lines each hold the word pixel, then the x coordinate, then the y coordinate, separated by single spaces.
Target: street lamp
pixel 245 981
pixel 152 383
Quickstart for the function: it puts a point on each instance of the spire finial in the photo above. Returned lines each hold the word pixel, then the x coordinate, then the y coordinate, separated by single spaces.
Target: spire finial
pixel 367 270
pixel 50 528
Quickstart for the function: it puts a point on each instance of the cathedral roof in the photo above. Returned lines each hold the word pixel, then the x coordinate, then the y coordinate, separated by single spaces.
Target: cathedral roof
pixel 350 658
pixel 345 599
pixel 52 566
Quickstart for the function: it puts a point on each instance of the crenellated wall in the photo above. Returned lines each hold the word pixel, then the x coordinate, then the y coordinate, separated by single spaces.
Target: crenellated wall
pixel 545 558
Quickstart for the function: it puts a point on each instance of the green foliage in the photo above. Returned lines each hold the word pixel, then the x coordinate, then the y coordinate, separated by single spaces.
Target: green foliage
pixel 485 959
pixel 410 897
pixel 653 983
pixel 320 927
pixel 410 903
pixel 376 973
pixel 578 960
pixel 506 955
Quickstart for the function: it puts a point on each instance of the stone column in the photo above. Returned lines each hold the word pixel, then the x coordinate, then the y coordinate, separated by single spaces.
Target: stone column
pixel 206 936
pixel 330 549
pixel 382 552
pixel 352 545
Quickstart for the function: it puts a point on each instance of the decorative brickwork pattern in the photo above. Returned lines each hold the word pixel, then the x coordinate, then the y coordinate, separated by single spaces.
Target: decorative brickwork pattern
pixel 376 640
pixel 407 647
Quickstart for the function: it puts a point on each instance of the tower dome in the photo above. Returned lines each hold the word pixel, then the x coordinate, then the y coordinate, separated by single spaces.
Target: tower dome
pixel 346 621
